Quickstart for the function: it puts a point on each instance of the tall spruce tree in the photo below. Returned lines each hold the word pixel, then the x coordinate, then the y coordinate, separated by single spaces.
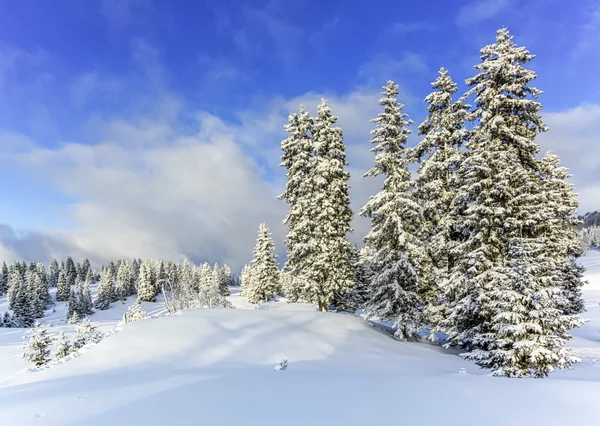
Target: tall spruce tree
pixel 4 279
pixel 499 283
pixel 64 289
pixel 396 255
pixel 106 290
pixel 70 271
pixel 123 287
pixel 53 273
pixel 559 225
pixel 297 158
pixel 331 273
pixel 439 156
pixel 265 274
pixel 146 288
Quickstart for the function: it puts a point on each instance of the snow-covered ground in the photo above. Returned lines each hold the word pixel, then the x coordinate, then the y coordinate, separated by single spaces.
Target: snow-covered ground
pixel 216 366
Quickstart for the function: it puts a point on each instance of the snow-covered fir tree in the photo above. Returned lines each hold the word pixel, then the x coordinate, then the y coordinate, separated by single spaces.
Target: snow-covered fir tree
pixel 53 273
pixel 37 348
pixel 73 305
pixel 330 275
pixel 396 254
pixel 559 227
pixel 63 346
pixel 292 286
pixel 499 215
pixel 265 273
pixel 123 285
pixel 147 290
pixel 74 318
pixel 135 312
pixel 439 156
pixel 84 296
pixel 86 333
pixel 37 293
pixel 7 320
pixel 23 307
pixel 224 280
pixel 4 279
pixel 63 288
pixel 298 150
pixel 70 271
pixel 245 279
pixel 15 280
pixel 106 290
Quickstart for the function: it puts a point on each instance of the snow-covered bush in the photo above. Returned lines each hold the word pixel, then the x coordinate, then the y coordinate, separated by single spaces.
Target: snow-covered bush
pixel 134 313
pixel 86 333
pixel 63 346
pixel 37 347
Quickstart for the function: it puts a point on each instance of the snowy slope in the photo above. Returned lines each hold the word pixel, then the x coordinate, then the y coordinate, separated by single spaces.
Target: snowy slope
pixel 216 367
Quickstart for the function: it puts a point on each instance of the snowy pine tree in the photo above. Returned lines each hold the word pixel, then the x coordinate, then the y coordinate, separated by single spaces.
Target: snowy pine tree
pixel 73 305
pixel 23 307
pixel 439 156
pixel 63 346
pixel 70 272
pixel 53 273
pixel 64 289
pixel 3 279
pixel 86 333
pixel 135 312
pixel 146 289
pixel 37 348
pixel 298 150
pixel 15 280
pixel 265 274
pixel 396 255
pixel 501 265
pixel 123 286
pixel 37 293
pixel 331 273
pixel 559 225
pixel 86 306
pixel 106 290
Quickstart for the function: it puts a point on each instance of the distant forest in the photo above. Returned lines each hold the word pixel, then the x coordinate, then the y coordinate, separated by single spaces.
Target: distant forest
pixel 590 219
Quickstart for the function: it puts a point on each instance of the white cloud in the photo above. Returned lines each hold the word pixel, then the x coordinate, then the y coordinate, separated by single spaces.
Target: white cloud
pixel 575 136
pixel 479 11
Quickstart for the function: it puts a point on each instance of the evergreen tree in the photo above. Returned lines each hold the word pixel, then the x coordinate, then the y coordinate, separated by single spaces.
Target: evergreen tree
pixel 146 288
pixel 86 267
pixel 298 150
pixel 70 271
pixel 331 275
pixel 73 305
pixel 86 306
pixel 224 280
pixel 501 265
pixel 7 320
pixel 559 225
pixel 123 286
pixel 135 270
pixel 86 333
pixel 53 273
pixel 135 312
pixel 44 291
pixel 439 155
pixel 265 274
pixel 64 289
pixel 245 279
pixel 23 308
pixel 15 280
pixel 63 346
pixel 396 254
pixel 106 290
pixel 74 318
pixel 3 279
pixel 37 294
pixel 37 348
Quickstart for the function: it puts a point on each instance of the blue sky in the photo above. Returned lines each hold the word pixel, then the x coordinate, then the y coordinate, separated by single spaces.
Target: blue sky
pixel 98 98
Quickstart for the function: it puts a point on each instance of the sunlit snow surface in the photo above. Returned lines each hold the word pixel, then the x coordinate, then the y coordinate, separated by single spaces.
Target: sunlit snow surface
pixel 216 367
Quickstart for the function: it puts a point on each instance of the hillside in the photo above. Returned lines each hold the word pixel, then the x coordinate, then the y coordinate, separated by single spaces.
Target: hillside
pixel 216 366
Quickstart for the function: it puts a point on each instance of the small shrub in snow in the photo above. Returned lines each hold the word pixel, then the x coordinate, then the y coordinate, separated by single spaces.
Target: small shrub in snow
pixel 37 348
pixel 63 346
pixel 86 333
pixel 74 318
pixel 283 365
pixel 134 312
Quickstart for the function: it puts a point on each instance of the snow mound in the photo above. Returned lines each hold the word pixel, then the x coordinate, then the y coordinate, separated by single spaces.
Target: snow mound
pixel 215 366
